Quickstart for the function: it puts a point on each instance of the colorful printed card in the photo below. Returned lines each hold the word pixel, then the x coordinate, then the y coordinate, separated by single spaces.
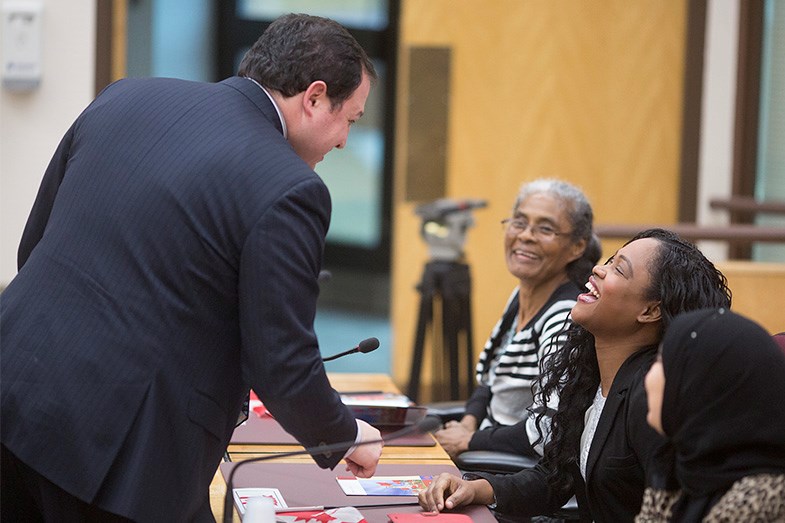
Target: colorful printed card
pixel 384 485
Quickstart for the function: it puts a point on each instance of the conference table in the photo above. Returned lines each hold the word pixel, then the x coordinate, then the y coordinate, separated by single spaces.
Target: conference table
pixel 398 457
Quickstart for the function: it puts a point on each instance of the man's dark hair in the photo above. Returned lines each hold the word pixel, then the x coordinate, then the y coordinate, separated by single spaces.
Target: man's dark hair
pixel 297 50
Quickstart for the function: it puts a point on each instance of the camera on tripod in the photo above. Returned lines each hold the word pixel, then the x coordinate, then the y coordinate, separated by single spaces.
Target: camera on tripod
pixel 444 225
pixel 447 281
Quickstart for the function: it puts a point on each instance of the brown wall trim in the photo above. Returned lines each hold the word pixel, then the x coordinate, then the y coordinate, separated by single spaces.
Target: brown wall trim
pixel 747 97
pixel 691 110
pixel 103 45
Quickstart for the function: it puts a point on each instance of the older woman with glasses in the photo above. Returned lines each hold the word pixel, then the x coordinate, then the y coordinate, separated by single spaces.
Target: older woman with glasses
pixel 550 248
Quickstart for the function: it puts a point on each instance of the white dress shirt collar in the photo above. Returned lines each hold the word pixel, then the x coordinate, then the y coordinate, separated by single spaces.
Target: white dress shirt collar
pixel 277 109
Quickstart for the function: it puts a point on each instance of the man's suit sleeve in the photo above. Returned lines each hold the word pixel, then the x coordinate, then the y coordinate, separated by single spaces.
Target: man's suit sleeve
pixel 278 290
pixel 42 208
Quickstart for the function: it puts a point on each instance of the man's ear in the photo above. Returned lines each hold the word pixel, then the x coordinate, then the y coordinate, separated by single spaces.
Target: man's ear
pixel 652 313
pixel 314 95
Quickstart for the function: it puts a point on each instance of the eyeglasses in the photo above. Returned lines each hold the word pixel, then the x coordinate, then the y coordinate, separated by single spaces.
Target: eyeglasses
pixel 542 231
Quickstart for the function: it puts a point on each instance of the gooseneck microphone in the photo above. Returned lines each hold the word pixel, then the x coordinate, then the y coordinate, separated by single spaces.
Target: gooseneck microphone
pixel 365 346
pixel 427 424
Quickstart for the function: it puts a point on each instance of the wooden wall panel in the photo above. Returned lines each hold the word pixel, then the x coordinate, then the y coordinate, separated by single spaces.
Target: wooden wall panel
pixel 585 91
pixel 758 289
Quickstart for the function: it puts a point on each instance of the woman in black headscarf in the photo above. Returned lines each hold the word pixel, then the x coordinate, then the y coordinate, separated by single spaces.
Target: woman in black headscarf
pixel 717 392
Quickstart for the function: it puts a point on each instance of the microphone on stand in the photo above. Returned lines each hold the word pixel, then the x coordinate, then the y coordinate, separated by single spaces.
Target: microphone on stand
pixel 365 346
pixel 427 424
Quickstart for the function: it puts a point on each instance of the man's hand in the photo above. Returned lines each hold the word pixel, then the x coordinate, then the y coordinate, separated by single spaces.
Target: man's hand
pixel 448 492
pixel 363 459
pixel 454 438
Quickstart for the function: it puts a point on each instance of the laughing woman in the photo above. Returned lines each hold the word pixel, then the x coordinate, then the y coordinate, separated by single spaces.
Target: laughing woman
pixel 717 392
pixel 600 440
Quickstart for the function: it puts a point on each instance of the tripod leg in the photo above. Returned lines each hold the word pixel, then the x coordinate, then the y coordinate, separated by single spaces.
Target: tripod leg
pixel 424 318
pixel 450 327
pixel 466 314
pixel 458 289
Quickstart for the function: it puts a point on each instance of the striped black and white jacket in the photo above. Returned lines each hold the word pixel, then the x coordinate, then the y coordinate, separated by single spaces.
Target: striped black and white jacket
pixel 508 368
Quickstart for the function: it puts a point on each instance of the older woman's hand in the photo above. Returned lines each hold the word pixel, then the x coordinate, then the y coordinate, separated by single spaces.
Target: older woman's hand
pixel 454 438
pixel 447 491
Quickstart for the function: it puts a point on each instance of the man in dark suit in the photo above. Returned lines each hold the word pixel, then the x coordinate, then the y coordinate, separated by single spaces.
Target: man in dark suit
pixel 169 264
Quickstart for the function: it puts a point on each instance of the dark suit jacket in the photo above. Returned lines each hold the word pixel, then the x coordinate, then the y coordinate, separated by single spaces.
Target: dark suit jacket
pixel 169 263
pixel 622 445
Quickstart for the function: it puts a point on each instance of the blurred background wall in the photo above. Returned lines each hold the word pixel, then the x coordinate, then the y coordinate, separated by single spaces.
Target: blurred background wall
pixel 639 103
pixel 589 92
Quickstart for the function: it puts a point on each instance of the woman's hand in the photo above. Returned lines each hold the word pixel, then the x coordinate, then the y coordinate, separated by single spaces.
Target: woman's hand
pixel 455 437
pixel 447 492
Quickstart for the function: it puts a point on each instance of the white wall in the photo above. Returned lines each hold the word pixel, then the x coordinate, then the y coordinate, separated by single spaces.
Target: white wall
pixel 32 123
pixel 715 171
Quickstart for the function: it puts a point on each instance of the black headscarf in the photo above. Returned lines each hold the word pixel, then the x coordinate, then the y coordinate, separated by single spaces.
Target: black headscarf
pixel 724 401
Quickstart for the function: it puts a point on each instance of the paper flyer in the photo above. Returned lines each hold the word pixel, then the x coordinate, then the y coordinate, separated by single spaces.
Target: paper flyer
pixel 384 485
pixel 378 399
pixel 241 496
pixel 335 515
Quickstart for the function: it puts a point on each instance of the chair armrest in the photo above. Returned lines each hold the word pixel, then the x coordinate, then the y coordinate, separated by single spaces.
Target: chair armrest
pixel 447 410
pixel 493 461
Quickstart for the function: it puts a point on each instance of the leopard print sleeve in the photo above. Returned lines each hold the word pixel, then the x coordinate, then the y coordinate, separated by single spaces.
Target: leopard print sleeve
pixel 657 505
pixel 759 498
pixel 753 499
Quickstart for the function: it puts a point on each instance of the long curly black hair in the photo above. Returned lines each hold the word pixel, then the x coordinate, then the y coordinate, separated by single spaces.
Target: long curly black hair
pixel 682 279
